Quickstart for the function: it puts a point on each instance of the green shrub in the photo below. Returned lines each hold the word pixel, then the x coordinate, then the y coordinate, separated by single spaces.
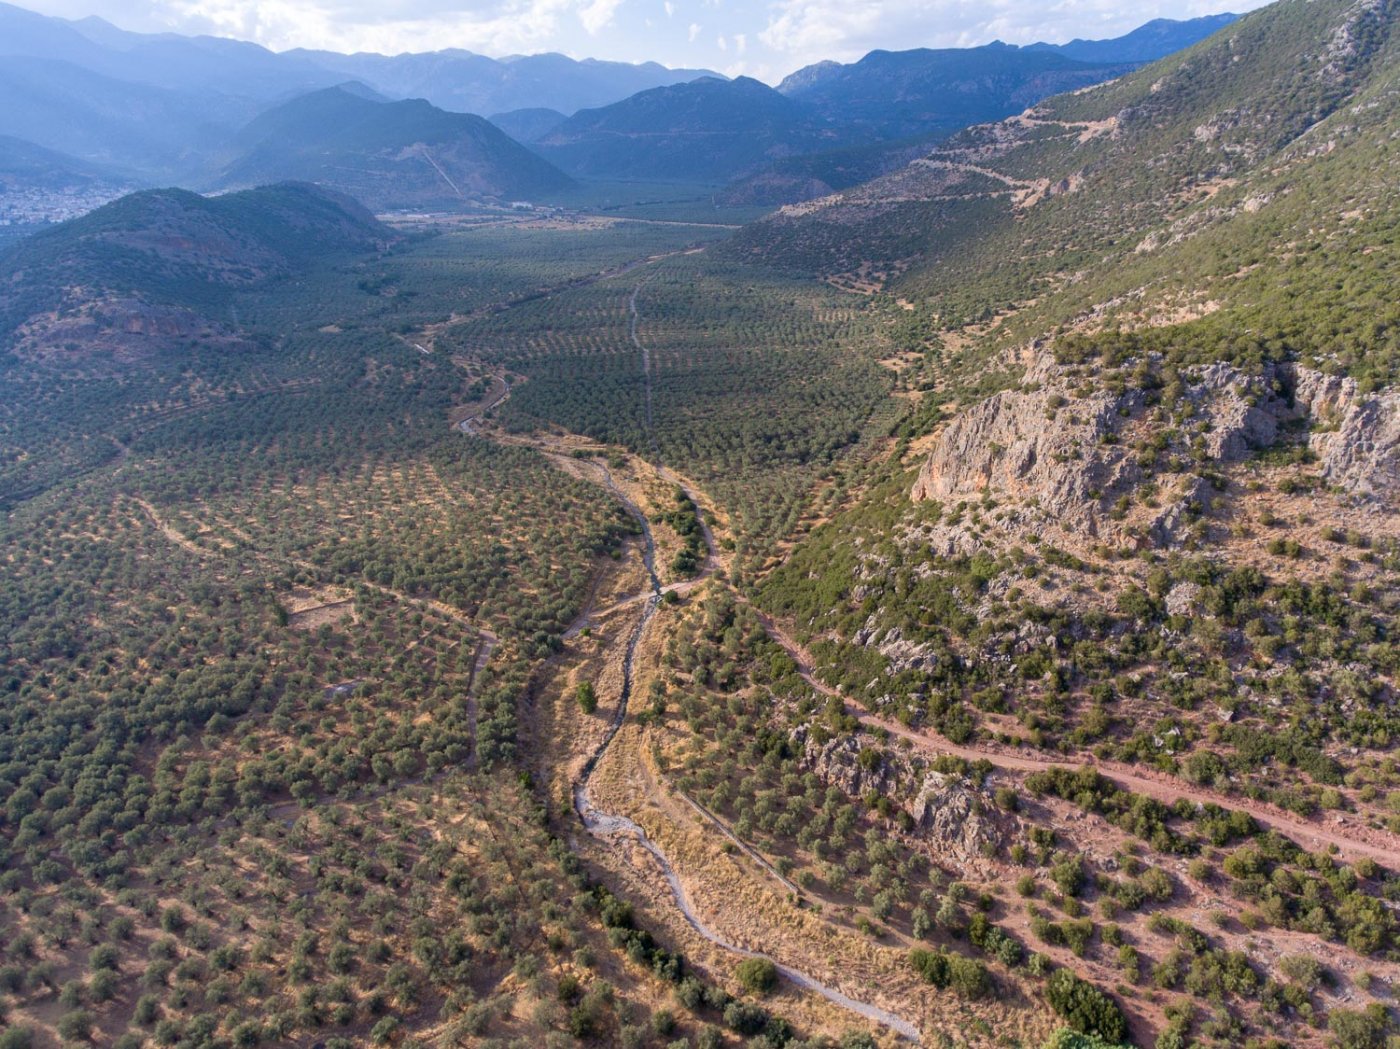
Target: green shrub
pixel 1084 1007
pixel 757 975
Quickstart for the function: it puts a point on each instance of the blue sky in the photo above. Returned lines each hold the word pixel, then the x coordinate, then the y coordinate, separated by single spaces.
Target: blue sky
pixel 765 39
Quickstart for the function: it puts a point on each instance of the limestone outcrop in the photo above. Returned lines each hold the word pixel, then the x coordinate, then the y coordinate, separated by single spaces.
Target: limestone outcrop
pixel 946 811
pixel 1355 437
pixel 1064 455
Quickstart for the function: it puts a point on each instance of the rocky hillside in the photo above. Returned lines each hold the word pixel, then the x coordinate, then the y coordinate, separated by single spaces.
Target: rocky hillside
pixel 1144 506
pixel 1150 199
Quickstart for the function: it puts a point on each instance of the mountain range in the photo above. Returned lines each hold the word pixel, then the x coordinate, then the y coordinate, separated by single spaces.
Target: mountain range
pixel 717 130
pixel 160 108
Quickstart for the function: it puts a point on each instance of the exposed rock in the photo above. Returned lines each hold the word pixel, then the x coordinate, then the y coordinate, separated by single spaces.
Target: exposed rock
pixel 1169 526
pixel 1184 599
pixel 1243 413
pixel 1030 444
pixel 1043 446
pixel 1356 438
pixel 838 762
pixel 945 810
pixel 906 655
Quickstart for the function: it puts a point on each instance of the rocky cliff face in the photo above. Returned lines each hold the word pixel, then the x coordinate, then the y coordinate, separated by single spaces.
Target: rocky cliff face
pixel 945 810
pixel 1035 446
pixel 1062 456
pixel 1355 437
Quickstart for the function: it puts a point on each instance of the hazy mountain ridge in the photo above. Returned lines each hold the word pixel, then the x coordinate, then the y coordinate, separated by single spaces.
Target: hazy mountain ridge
pixel 160 106
pixel 141 130
pixel 528 125
pixel 163 107
pixel 706 130
pixel 902 93
pixel 1147 43
pixel 465 82
pixel 387 154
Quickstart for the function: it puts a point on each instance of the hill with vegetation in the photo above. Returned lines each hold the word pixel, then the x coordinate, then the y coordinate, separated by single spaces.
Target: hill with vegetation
pixel 1141 516
pixel 909 100
pixel 164 243
pixel 387 154
pixel 25 166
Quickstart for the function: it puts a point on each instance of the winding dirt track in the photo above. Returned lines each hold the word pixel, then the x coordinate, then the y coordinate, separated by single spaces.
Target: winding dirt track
pixel 1351 841
pixel 608 825
pixel 1376 845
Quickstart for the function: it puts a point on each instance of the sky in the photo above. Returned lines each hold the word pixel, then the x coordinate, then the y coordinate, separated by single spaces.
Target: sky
pixel 766 39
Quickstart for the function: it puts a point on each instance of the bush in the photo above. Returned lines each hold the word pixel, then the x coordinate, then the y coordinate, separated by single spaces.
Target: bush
pixel 74 1026
pixel 744 1018
pixel 967 976
pixel 931 965
pixel 1359 1028
pixel 1084 1007
pixel 757 975
pixel 1065 1038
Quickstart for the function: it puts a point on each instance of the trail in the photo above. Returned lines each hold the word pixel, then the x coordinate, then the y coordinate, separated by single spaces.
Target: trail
pixel 608 825
pixel 739 843
pixel 1163 788
pixel 468 424
pixel 605 825
pixel 426 155
pixel 1351 841
pixel 487 640
pixel 974 169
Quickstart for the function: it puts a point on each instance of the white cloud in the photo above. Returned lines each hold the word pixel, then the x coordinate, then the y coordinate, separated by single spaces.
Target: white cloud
pixel 500 27
pixel 799 32
pixel 598 14
pixel 772 37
